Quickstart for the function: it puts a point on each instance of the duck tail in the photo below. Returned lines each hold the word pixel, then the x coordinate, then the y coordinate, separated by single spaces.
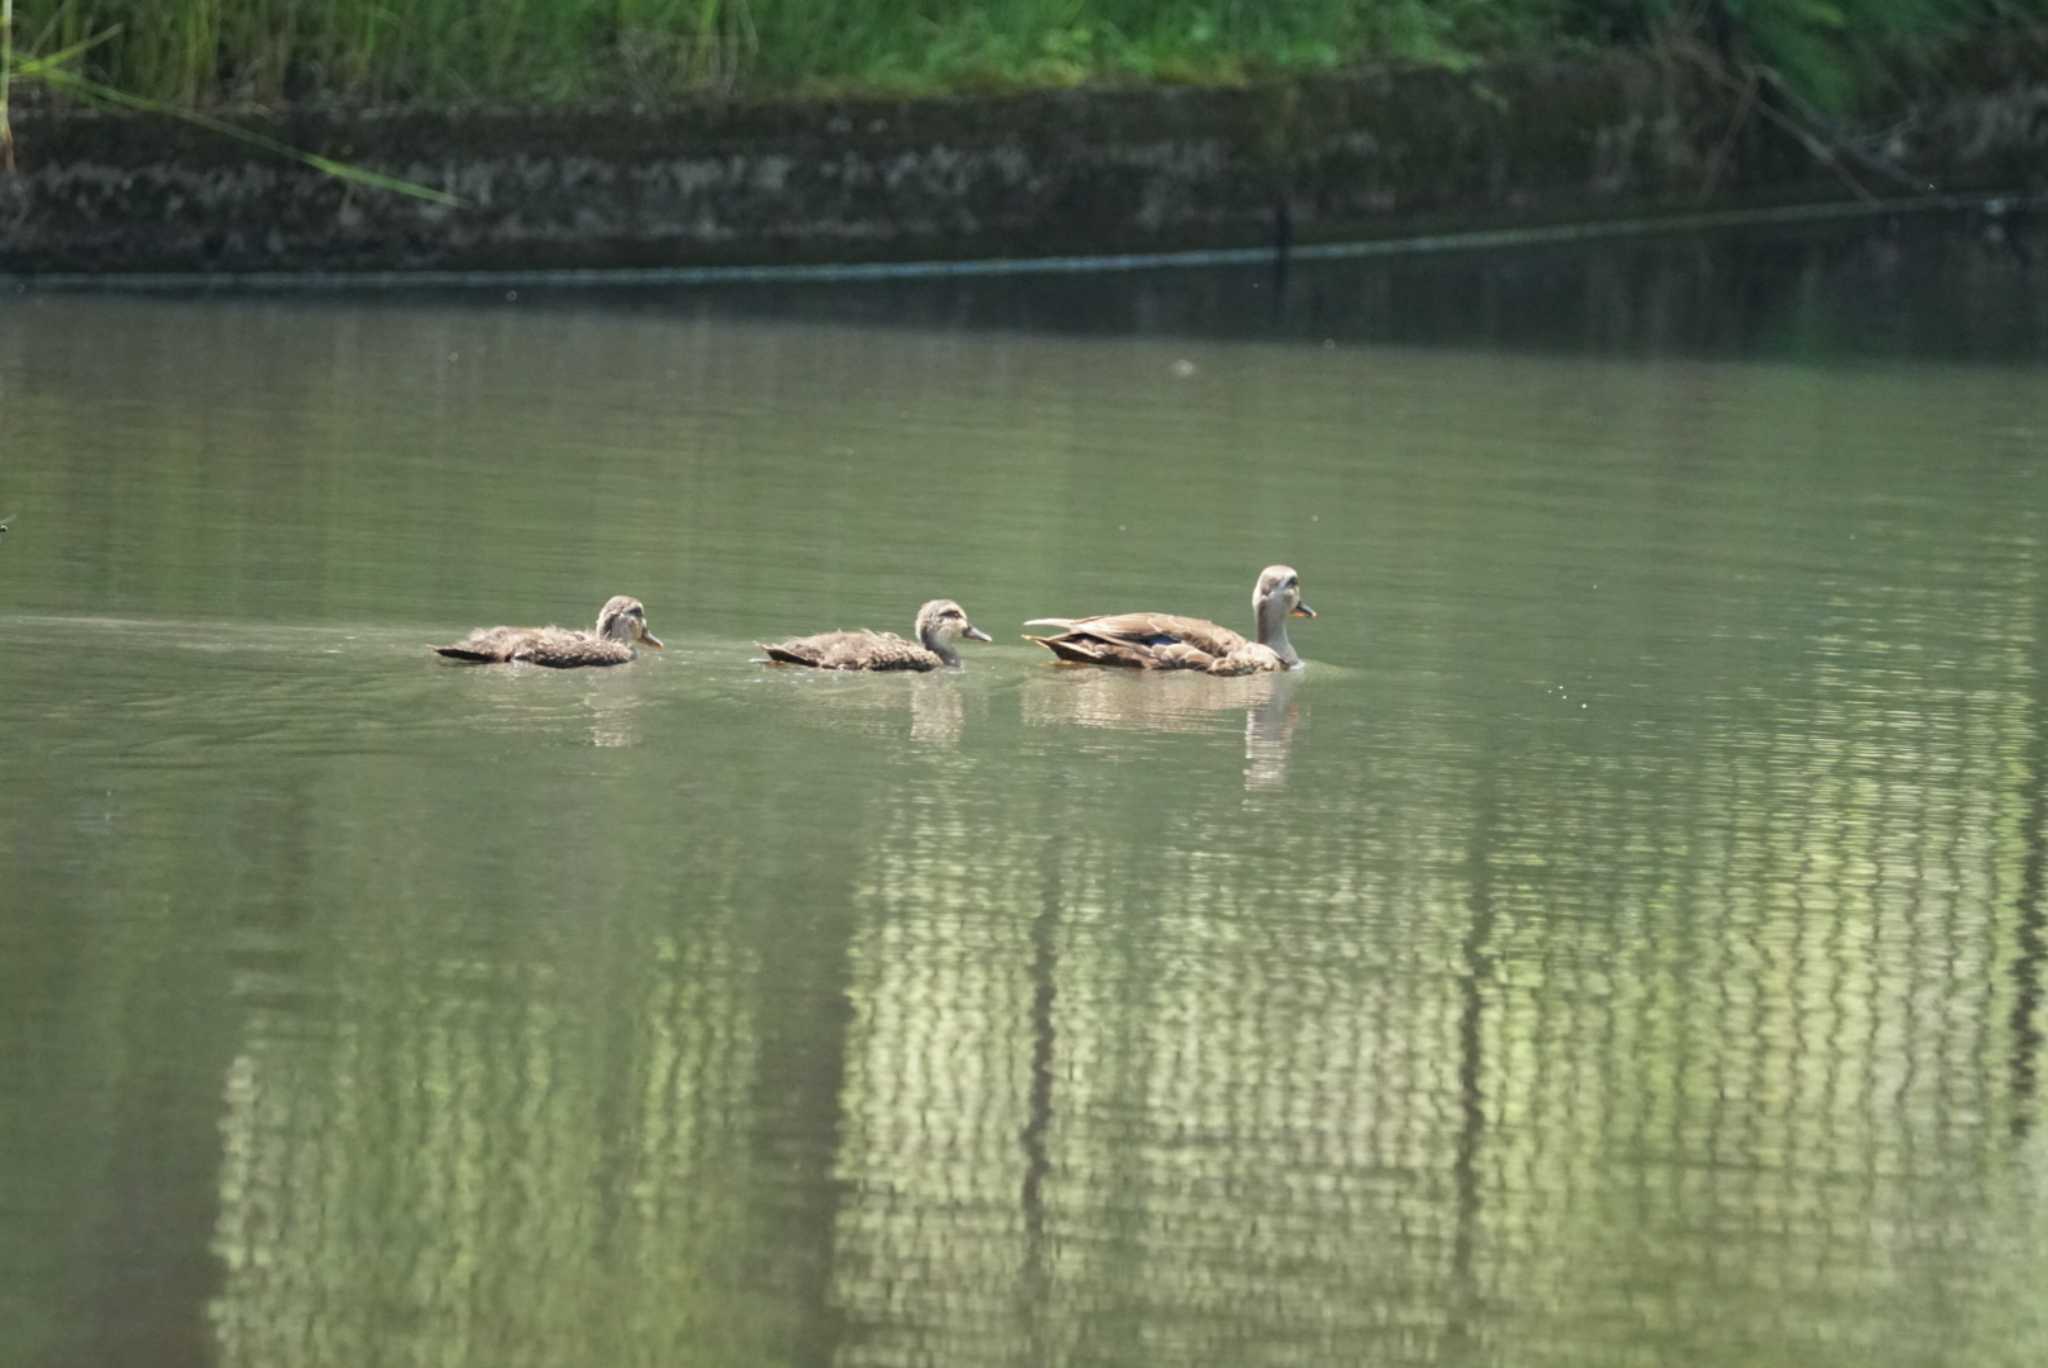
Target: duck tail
pixel 1077 652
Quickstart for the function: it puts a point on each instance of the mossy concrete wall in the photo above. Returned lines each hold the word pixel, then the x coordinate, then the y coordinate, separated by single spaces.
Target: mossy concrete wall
pixel 1361 155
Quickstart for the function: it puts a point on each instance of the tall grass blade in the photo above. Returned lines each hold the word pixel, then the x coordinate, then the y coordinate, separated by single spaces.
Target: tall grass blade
pixel 29 68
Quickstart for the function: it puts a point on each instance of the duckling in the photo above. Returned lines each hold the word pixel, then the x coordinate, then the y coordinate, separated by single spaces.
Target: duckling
pixel 620 625
pixel 940 623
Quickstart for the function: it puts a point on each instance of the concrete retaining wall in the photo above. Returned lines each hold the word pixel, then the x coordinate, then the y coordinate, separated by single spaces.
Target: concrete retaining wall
pixel 1362 155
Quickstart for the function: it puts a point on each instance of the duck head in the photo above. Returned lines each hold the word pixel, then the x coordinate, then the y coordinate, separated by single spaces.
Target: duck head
pixel 623 619
pixel 1276 598
pixel 942 622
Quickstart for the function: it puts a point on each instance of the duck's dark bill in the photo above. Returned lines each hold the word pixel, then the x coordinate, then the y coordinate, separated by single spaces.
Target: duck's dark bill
pixel 1302 610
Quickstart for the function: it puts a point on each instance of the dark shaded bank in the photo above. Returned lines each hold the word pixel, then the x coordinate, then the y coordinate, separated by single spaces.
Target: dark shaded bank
pixel 1365 155
pixel 1908 287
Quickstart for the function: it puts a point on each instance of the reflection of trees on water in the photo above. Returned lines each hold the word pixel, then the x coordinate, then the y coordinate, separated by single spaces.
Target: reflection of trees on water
pixel 2030 898
pixel 452 1169
pixel 1180 702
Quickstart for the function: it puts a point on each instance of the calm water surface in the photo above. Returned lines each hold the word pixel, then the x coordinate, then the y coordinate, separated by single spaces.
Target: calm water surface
pixel 1622 945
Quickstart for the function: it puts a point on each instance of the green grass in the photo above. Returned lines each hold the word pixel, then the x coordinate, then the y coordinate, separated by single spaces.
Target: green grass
pixel 210 52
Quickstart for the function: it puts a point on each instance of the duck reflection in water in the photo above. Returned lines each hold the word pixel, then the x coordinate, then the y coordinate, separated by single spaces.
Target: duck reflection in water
pixel 1189 702
pixel 936 706
pixel 614 713
pixel 605 705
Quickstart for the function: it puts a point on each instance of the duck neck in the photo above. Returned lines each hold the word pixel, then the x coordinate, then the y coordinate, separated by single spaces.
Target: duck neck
pixel 1272 617
pixel 939 646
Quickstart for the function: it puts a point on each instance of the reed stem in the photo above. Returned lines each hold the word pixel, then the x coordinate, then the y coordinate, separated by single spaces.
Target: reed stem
pixel 6 72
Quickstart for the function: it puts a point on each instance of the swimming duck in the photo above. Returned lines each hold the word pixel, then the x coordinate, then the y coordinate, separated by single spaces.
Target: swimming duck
pixel 620 624
pixel 1164 641
pixel 940 623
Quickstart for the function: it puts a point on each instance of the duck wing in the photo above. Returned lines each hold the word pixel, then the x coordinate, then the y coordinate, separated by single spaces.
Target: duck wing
pixel 560 649
pixel 1146 641
pixel 557 648
pixel 489 645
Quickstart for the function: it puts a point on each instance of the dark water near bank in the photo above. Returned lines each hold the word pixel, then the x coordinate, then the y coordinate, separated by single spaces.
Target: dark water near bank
pixel 1622 945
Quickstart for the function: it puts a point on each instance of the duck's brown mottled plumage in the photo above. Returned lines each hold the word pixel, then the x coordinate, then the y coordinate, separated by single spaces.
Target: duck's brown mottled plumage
pixel 940 623
pixel 1168 641
pixel 620 625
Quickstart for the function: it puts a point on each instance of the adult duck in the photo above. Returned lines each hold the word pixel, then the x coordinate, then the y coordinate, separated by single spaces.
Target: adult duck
pixel 940 623
pixel 621 628
pixel 1167 641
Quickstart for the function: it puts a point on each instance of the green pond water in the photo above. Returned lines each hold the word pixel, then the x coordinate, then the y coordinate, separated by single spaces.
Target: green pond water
pixel 1621 945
